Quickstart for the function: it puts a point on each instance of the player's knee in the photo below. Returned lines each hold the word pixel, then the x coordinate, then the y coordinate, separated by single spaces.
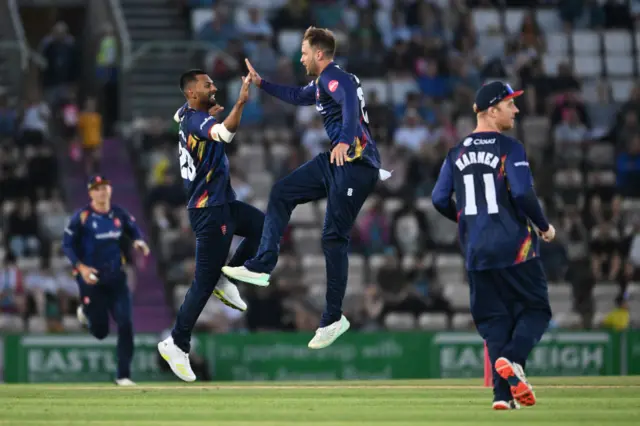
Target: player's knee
pixel 331 239
pixel 100 332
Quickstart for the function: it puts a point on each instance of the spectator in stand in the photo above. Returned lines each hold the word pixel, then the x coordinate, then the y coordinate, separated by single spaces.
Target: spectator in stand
pixel 22 231
pixel 220 29
pixel 59 50
pixel 90 130
pixel 618 318
pixel 35 121
pixel 410 230
pixel 295 15
pixel 373 228
pixel 8 116
pixel 606 262
pixel 413 134
pixel 628 169
pixel 107 76
pixel 12 291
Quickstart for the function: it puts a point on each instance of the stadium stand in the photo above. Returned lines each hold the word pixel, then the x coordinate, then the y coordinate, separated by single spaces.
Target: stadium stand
pixel 420 63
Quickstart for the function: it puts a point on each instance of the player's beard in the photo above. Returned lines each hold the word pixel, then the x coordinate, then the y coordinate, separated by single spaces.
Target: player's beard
pixel 209 100
pixel 311 69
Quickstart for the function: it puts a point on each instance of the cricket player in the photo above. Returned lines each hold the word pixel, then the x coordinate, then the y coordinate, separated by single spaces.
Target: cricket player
pixel 214 212
pixel 346 176
pixel 92 243
pixel 495 205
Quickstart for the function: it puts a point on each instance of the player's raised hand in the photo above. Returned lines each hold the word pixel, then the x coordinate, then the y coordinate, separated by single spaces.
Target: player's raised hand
pixel 549 235
pixel 339 154
pixel 253 74
pixel 88 274
pixel 141 246
pixel 215 110
pixel 243 97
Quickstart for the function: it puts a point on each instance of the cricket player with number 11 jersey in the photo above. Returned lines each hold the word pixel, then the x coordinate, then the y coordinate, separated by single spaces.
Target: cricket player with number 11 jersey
pixel 495 205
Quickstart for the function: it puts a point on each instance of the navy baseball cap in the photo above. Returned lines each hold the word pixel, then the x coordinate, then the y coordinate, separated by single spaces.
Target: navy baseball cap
pixel 97 180
pixel 493 93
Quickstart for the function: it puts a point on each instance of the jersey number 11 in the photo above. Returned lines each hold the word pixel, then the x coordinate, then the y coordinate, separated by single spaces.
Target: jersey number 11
pixel 470 208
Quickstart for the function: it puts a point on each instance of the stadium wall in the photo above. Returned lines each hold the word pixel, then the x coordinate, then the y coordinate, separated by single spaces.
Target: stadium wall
pixel 284 356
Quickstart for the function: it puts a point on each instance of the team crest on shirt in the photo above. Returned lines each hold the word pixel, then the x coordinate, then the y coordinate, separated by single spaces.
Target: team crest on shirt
pixel 317 93
pixel 223 228
pixel 86 300
pixel 333 85
pixel 117 222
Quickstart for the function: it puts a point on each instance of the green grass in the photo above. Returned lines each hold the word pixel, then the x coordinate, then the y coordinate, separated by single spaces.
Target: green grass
pixel 561 401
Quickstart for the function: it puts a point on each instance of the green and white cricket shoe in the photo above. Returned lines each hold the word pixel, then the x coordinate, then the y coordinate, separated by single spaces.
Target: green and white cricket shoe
pixel 329 334
pixel 177 359
pixel 228 294
pixel 240 273
pixel 125 382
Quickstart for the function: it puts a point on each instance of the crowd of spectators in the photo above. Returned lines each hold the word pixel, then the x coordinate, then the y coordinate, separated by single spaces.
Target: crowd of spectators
pixel 420 63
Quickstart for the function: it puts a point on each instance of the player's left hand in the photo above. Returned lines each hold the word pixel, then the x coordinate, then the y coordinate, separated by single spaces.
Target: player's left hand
pixel 215 110
pixel 339 154
pixel 141 246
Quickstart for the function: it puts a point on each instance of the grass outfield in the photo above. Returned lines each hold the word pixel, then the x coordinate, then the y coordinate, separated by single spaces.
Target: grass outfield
pixel 561 401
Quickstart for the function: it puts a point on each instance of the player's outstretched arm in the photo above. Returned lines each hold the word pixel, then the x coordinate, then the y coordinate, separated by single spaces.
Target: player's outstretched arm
pixel 305 95
pixel 442 192
pixel 232 122
pixel 133 231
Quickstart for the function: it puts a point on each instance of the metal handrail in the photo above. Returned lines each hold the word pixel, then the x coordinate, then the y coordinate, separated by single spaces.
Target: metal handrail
pixel 26 54
pixel 123 32
pixel 166 45
pixel 18 28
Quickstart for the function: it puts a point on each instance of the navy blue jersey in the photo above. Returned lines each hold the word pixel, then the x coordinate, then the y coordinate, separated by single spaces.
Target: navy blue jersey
pixel 204 165
pixel 494 201
pixel 95 239
pixel 339 98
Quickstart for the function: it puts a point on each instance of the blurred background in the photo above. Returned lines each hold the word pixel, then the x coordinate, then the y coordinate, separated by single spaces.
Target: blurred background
pixel 90 86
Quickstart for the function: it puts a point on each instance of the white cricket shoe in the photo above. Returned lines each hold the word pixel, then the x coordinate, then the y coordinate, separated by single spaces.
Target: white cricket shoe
pixel 125 382
pixel 177 359
pixel 228 294
pixel 327 335
pixel 506 405
pixel 240 273
pixel 81 316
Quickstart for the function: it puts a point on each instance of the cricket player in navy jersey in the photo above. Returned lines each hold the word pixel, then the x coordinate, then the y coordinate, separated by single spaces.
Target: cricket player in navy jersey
pixel 215 214
pixel 92 243
pixel 495 206
pixel 346 176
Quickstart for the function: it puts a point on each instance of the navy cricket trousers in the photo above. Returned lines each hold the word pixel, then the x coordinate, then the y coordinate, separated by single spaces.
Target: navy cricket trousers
pixel 510 308
pixel 110 296
pixel 346 189
pixel 214 228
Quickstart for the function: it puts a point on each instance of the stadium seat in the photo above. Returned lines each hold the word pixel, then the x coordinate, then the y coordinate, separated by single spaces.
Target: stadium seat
pixel 432 321
pixel 37 325
pixel 619 65
pixel 70 323
pixel 513 21
pixel 11 323
pixel 465 125
pixel 536 130
pixel 462 321
pixel 304 214
pixel 585 42
pixel 458 295
pixel 601 155
pixel 618 41
pixel 558 44
pixel 377 85
pixel 252 157
pixel 261 183
pixel 399 321
pixel 560 291
pixel 447 262
pixel 587 66
pixel 307 240
pixel 549 22
pixel 392 205
pixel 375 263
pixel 179 292
pixel 559 305
pixel 289 41
pixel 568 320
pixel 491 45
pixel 621 89
pixel 486 20
pixel 550 62
pixel 400 88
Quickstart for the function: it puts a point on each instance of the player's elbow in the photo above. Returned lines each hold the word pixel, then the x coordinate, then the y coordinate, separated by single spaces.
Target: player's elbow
pixel 220 133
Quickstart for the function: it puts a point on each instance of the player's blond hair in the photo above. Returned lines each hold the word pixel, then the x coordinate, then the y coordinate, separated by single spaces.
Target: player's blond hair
pixel 322 39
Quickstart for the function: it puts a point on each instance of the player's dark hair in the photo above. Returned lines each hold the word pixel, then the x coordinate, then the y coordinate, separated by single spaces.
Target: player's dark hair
pixel 189 77
pixel 321 39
